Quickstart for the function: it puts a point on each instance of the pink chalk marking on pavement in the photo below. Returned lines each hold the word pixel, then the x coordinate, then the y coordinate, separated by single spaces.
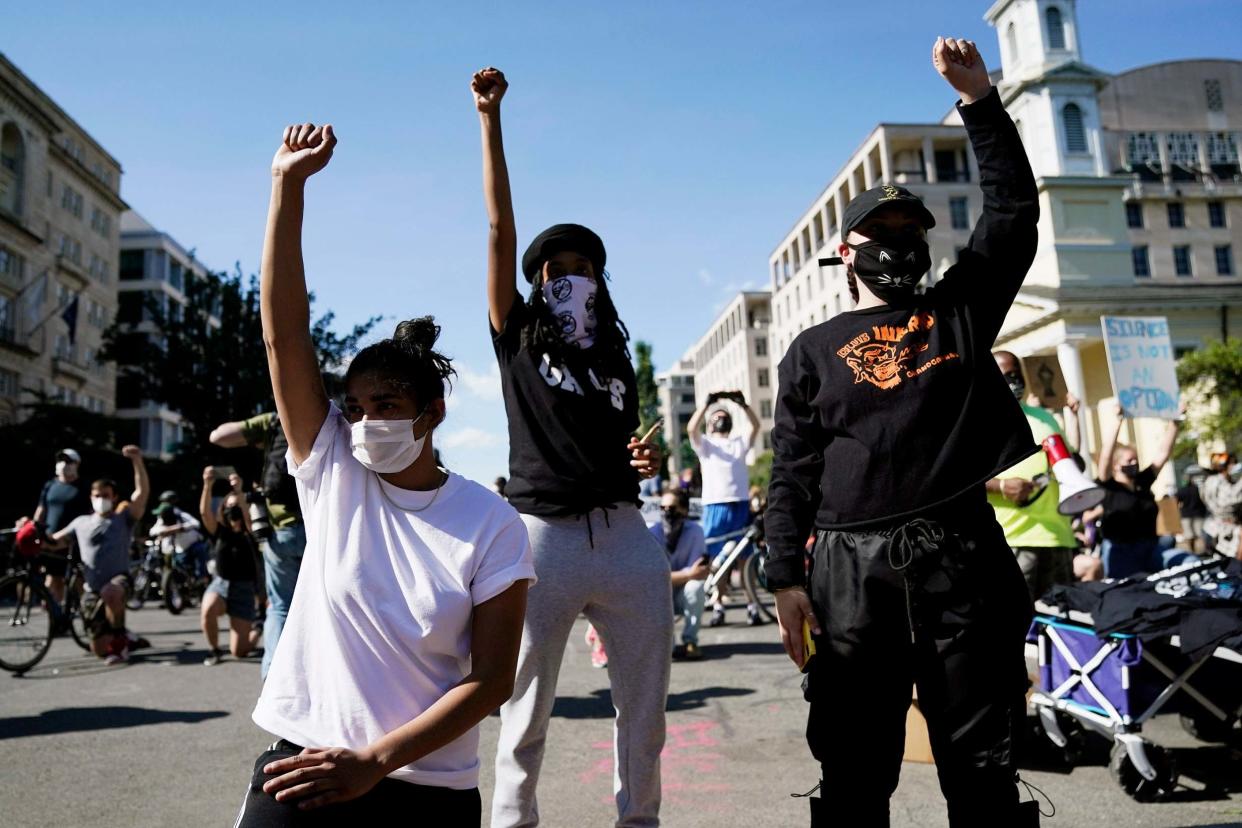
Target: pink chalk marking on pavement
pixel 687 765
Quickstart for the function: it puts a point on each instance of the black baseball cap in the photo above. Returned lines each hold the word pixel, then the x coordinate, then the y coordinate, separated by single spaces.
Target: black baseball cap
pixel 867 202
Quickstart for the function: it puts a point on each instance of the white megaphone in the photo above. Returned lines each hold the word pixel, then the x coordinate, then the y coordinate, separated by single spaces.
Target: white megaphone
pixel 1078 492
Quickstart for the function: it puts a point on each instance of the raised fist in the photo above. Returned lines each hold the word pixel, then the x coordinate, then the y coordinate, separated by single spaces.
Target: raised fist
pixel 489 86
pixel 304 150
pixel 959 62
pixel 209 474
pixel 132 452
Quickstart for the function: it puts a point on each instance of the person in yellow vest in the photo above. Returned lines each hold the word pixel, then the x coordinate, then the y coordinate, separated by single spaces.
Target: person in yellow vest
pixel 1042 538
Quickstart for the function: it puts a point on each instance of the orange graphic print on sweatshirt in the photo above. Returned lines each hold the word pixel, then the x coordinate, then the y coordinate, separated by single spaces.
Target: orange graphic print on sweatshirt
pixel 883 356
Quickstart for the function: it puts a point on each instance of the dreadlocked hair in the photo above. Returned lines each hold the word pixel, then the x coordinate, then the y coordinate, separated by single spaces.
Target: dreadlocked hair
pixel 408 361
pixel 542 334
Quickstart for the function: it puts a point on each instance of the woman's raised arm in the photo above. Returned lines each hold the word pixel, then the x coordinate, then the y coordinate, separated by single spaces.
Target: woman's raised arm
pixel 296 381
pixel 489 87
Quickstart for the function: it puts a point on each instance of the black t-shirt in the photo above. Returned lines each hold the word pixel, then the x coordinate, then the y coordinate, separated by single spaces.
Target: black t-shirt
pixel 62 502
pixel 889 412
pixel 1191 501
pixel 235 554
pixel 569 424
pixel 1129 514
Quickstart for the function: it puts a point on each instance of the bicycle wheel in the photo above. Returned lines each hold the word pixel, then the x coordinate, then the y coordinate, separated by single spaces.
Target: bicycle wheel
pixel 26 624
pixel 175 590
pixel 138 594
pixel 73 611
pixel 756 585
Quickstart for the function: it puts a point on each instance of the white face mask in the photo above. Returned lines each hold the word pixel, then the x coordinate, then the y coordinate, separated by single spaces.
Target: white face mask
pixel 386 446
pixel 101 505
pixel 572 301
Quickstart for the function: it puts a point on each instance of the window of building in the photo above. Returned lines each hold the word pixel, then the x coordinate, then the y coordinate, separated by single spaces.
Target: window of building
pixel 818 228
pixel 1142 148
pixel 1181 260
pixel 1222 148
pixel 761 347
pixel 9 383
pixel 806 242
pixel 761 378
pixel 1183 148
pixel 1142 267
pixel 131 265
pixel 12 168
pixel 1011 38
pixel 1056 28
pixel 765 408
pixel 1216 213
pixel 1211 91
pixel 1075 134
pixel 8 322
pixel 958 214
pixel 1177 214
pixel 1134 214
pixel 1224 260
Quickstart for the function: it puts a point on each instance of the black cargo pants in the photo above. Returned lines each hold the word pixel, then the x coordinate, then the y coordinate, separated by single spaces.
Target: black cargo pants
pixel 938 603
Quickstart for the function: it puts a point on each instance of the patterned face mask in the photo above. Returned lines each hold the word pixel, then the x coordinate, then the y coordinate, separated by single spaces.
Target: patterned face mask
pixel 572 302
pixel 891 269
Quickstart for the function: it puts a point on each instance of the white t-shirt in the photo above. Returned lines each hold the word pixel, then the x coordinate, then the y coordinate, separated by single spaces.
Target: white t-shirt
pixel 379 627
pixel 722 462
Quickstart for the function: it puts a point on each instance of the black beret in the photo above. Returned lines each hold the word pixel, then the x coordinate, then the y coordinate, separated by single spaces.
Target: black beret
pixel 557 239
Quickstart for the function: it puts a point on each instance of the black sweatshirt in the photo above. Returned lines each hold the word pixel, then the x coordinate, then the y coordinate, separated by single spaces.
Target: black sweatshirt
pixel 885 413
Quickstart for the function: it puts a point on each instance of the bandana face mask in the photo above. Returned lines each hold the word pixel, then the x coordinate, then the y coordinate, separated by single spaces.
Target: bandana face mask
pixel 891 269
pixel 1017 385
pixel 572 302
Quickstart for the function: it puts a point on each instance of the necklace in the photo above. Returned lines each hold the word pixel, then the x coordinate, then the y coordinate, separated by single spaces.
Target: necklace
pixel 430 503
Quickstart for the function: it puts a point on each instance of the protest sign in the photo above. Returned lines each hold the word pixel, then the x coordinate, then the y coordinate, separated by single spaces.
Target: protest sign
pixel 1140 362
pixel 1044 380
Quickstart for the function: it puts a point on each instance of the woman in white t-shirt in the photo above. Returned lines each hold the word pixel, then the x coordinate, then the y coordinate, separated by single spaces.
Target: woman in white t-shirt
pixel 403 633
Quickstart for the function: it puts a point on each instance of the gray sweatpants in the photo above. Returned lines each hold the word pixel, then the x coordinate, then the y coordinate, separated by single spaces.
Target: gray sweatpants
pixel 608 566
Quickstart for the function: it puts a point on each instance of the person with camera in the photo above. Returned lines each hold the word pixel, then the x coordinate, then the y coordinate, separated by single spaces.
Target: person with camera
pixel 277 519
pixel 726 479
pixel 232 588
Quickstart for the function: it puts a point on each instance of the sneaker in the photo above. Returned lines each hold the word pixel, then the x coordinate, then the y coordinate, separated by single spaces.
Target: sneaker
pixel 136 642
pixel 213 658
pixel 119 657
pixel 718 617
pixel 599 658
pixel 691 652
pixel 753 618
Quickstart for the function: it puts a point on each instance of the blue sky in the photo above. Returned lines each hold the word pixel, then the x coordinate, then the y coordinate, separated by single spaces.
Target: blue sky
pixel 689 135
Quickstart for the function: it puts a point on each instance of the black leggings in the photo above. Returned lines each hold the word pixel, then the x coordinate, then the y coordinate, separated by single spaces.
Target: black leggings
pixel 958 593
pixel 390 802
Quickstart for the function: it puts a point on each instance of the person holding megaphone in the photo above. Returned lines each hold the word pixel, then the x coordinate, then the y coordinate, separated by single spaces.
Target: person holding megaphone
pixel 1026 497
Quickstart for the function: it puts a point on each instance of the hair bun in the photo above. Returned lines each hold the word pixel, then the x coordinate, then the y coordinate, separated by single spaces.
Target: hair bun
pixel 417 335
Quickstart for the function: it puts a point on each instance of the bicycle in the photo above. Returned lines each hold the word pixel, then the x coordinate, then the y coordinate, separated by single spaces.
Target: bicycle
pixel 146 573
pixel 30 617
pixel 181 585
pixel 743 542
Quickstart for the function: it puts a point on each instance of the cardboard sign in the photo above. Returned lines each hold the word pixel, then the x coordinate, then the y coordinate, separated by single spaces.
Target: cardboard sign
pixel 1045 380
pixel 1140 362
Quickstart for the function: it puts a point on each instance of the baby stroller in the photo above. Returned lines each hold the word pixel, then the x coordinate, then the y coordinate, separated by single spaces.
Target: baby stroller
pixel 1153 652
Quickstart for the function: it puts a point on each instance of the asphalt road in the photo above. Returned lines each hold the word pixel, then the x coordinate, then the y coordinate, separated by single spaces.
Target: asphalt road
pixel 165 741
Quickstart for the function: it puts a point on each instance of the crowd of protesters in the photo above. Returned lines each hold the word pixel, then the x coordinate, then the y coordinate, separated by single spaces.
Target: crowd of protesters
pixel 397 604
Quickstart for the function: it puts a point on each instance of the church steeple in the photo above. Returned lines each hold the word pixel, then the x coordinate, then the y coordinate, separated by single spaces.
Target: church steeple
pixel 1048 90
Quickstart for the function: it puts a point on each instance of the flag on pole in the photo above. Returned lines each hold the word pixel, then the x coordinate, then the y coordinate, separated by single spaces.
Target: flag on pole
pixel 70 316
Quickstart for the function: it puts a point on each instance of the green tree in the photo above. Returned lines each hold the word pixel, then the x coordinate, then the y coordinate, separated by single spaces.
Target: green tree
pixel 761 471
pixel 1214 373
pixel 206 359
pixel 649 399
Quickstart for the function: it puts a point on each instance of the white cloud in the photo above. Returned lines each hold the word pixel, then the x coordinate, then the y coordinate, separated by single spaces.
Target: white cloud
pixel 484 385
pixel 470 437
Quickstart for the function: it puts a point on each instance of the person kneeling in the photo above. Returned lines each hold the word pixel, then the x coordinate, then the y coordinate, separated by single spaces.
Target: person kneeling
pixel 687 557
